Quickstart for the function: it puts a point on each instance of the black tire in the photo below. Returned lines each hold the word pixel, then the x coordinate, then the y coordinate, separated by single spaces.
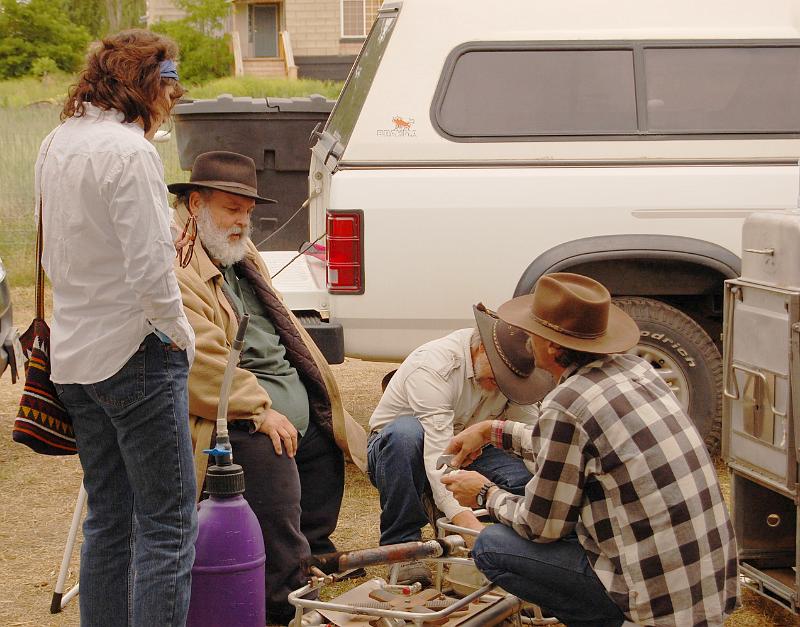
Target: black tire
pixel 671 338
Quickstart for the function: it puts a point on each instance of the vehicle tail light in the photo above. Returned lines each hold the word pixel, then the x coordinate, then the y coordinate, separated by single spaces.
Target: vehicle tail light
pixel 345 252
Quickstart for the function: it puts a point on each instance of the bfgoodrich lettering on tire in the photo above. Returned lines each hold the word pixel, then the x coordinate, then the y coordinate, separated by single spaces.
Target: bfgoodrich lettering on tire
pixel 685 356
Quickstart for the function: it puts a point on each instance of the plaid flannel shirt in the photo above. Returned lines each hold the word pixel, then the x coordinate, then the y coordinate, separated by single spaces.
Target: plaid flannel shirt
pixel 617 461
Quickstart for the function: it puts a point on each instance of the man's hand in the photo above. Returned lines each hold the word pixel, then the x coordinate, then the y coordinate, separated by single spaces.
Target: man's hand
pixel 279 430
pixel 468 520
pixel 467 445
pixel 465 486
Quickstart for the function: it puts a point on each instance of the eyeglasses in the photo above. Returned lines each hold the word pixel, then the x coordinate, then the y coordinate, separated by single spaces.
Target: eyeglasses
pixel 184 254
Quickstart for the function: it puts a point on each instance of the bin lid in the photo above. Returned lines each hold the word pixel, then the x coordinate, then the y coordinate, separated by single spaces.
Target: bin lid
pixel 226 103
pixel 313 104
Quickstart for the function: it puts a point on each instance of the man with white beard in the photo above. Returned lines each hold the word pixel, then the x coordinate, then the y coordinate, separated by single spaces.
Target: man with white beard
pixel 286 422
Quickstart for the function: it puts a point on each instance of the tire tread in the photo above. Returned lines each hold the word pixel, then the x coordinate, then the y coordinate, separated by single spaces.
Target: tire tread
pixel 661 313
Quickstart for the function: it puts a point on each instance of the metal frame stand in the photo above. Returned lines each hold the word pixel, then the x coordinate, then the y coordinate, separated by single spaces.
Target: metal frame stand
pixel 444 526
pixel 506 606
pixel 60 598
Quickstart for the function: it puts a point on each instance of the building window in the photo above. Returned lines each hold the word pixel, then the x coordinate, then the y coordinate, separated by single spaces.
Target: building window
pixel 358 16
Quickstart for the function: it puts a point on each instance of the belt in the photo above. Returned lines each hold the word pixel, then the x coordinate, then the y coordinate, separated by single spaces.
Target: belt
pixel 242 425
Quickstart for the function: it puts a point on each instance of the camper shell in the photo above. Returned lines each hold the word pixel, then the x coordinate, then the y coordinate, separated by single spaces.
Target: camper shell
pixel 475 148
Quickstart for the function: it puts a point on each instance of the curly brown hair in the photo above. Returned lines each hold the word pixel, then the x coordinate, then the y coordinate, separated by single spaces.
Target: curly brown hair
pixel 566 357
pixel 123 72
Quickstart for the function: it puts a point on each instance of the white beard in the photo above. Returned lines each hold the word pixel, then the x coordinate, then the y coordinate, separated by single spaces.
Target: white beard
pixel 215 240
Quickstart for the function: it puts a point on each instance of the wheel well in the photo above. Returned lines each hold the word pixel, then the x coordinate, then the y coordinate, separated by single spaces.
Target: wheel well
pixel 695 290
pixel 683 272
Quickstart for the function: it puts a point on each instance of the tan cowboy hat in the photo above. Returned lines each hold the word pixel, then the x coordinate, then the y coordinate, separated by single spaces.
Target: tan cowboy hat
pixel 575 312
pixel 226 171
pixel 511 359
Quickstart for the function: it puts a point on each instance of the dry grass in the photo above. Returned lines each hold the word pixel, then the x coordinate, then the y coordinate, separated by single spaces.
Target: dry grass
pixel 38 496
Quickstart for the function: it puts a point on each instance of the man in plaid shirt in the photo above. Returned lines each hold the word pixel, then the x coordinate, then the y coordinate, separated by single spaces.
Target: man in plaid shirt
pixel 624 517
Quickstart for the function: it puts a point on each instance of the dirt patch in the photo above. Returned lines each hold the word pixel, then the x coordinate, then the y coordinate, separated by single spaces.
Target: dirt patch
pixel 38 497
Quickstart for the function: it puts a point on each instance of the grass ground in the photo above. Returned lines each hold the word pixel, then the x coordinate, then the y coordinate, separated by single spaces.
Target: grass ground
pixel 29 110
pixel 23 92
pixel 38 496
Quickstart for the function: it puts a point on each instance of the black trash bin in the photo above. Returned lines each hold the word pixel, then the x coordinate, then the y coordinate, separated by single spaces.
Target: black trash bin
pixel 274 132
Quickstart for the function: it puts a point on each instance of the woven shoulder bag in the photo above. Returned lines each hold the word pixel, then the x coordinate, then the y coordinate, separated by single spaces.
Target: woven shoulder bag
pixel 42 422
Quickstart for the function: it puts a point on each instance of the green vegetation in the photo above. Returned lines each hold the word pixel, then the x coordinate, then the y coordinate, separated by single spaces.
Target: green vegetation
pixel 21 133
pixel 29 109
pixel 52 88
pixel 204 53
pixel 42 42
pixel 101 17
pixel 22 92
pixel 263 87
pixel 36 29
pixel 202 57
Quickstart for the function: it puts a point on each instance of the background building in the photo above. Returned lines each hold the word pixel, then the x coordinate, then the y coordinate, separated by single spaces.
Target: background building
pixel 294 38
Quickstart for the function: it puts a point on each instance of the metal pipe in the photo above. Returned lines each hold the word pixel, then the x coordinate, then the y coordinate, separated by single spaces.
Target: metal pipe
pixel 222 451
pixel 297 598
pixel 388 554
pixel 494 614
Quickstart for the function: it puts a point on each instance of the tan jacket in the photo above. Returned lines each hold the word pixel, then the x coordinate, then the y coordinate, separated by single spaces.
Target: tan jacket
pixel 215 324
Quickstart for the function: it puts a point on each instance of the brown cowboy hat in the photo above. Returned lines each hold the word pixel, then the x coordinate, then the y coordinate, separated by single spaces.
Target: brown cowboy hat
pixel 226 171
pixel 511 359
pixel 575 312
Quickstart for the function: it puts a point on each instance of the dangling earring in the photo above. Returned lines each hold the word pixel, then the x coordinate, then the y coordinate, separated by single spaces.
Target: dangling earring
pixel 185 253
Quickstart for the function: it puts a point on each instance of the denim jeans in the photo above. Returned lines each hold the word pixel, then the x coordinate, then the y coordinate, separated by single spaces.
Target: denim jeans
pixel 296 501
pixel 556 576
pixel 134 445
pixel 396 468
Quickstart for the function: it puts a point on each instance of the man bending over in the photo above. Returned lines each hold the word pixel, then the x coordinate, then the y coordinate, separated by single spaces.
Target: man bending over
pixel 445 385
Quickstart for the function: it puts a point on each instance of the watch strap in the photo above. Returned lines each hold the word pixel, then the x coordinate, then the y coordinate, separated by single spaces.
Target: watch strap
pixel 481 498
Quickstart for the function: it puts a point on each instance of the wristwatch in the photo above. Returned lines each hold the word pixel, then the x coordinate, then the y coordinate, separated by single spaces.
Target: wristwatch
pixel 481 498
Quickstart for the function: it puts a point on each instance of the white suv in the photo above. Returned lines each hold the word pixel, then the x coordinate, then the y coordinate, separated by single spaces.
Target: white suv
pixel 477 146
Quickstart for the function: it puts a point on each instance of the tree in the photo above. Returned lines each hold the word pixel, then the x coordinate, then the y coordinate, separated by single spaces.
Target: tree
pixel 207 16
pixel 101 17
pixel 114 14
pixel 205 50
pixel 36 28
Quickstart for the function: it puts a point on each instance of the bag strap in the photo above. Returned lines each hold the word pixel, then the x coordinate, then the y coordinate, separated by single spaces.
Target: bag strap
pixel 40 237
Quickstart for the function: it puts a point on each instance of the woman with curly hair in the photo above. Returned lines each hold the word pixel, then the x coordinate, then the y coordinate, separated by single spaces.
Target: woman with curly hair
pixel 121 345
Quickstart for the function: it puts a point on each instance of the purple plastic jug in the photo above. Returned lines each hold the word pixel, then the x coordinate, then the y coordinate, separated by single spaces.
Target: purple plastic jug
pixel 228 571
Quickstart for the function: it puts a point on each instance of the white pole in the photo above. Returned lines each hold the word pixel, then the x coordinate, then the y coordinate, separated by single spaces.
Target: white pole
pixel 58 603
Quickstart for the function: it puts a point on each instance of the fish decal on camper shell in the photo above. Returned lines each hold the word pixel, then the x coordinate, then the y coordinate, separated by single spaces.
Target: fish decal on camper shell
pixel 402 123
pixel 402 126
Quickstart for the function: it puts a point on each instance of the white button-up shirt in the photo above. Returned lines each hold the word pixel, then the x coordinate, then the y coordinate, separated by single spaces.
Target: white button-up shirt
pixel 107 249
pixel 436 383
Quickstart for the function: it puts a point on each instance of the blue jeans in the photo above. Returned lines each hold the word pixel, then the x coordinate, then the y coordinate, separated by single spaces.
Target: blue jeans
pixel 134 445
pixel 556 576
pixel 396 468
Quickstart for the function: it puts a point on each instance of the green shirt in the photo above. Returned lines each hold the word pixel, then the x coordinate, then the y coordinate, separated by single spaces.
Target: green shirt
pixel 265 356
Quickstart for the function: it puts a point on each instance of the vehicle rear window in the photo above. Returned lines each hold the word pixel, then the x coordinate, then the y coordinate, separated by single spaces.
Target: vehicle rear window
pixel 496 93
pixel 348 107
pixel 722 90
pixel 527 91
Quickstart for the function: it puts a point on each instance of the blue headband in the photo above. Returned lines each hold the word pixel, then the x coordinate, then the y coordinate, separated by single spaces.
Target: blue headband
pixel 169 69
